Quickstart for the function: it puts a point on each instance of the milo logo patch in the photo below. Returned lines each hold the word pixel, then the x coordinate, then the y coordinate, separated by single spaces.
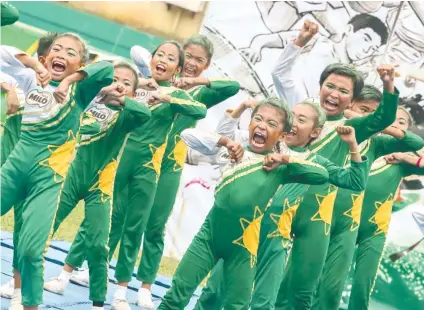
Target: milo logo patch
pixel 141 95
pixel 223 157
pixel 100 112
pixel 38 98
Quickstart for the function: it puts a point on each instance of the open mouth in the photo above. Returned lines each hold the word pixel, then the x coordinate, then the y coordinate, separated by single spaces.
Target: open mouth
pixel 330 105
pixel 58 66
pixel 292 133
pixel 189 72
pixel 258 139
pixel 160 69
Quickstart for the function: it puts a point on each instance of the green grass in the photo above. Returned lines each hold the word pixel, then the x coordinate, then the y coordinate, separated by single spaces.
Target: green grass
pixel 69 228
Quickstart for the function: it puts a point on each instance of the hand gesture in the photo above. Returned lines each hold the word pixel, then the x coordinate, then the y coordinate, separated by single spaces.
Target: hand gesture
pixel 235 150
pixel 250 103
pixel 42 75
pixel 387 75
pixel 395 158
pixel 307 32
pixel 272 161
pixel 350 114
pixel 347 134
pixel 61 91
pixel 186 82
pixel 155 97
pixel 113 94
pixel 148 84
pixel 12 102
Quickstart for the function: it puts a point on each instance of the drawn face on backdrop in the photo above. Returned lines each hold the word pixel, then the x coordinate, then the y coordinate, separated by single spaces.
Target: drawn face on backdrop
pixel 362 43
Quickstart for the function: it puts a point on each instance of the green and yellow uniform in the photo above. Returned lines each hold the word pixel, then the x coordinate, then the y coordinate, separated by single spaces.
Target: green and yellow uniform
pixel 138 175
pixel 231 229
pixel 102 137
pixel 276 231
pixel 36 168
pixel 305 266
pixel 170 175
pixel 346 220
pixel 383 182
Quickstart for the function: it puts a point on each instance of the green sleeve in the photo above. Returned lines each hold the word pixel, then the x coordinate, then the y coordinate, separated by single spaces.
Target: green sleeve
pixel 382 118
pixel 304 171
pixel 354 177
pixel 182 103
pixel 98 75
pixel 218 91
pixel 134 114
pixel 387 144
pixel 409 169
pixel 9 14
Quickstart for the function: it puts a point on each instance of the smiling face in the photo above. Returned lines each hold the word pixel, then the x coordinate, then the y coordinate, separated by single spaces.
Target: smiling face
pixel 266 128
pixel 125 77
pixel 164 63
pixel 64 57
pixel 196 60
pixel 304 127
pixel 336 94
pixel 403 120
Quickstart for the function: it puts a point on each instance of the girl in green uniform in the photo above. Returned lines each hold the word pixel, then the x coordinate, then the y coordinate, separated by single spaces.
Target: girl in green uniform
pixel 198 53
pixel 11 133
pixel 138 175
pixel 346 216
pixel 231 228
pixel 36 168
pixel 102 136
pixel 376 214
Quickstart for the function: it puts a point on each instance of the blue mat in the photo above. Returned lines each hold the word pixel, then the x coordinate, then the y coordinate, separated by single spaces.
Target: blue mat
pixel 76 297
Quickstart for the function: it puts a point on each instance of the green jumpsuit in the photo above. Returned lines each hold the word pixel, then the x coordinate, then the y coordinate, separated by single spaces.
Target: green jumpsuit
pixel 304 267
pixel 138 175
pixel 375 220
pixel 231 229
pixel 275 234
pixel 170 175
pixel 9 14
pixel 36 168
pixel 9 138
pixel 346 220
pixel 102 137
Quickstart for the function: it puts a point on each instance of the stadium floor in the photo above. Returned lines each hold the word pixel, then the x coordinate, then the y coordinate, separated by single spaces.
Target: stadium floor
pixel 75 297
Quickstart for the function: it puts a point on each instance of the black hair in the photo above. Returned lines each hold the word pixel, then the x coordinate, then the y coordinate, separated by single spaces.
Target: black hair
pixel 344 70
pixel 281 106
pixel 180 52
pixel 370 93
pixel 45 42
pixel 365 20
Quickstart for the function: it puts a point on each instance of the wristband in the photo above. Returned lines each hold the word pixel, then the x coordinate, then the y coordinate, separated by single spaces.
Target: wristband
pixel 418 162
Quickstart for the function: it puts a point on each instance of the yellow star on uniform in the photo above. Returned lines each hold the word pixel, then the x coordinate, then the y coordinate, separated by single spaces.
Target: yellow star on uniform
pixel 325 209
pixel 105 182
pixel 355 212
pixel 250 237
pixel 179 153
pixel 284 221
pixel 61 157
pixel 382 215
pixel 156 162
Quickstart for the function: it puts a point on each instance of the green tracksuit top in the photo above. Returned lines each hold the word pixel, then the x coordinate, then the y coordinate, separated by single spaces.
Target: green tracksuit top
pixel 384 180
pixel 102 134
pixel 219 90
pixel 374 148
pixel 150 139
pixel 289 197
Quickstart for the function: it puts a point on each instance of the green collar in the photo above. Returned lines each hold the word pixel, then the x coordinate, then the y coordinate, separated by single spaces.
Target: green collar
pixel 164 83
pixel 54 83
pixel 335 118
